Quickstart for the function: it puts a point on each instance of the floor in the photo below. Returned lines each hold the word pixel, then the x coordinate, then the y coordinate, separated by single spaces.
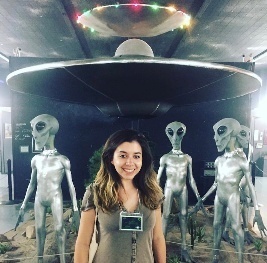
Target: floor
pixel 3 187
pixel 8 209
pixel 8 213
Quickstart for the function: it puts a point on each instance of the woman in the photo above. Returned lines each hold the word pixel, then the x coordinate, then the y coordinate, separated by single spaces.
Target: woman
pixel 128 200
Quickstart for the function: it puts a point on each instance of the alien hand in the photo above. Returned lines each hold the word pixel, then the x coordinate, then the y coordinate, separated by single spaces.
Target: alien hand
pixel 248 238
pixel 243 197
pixel 258 219
pixel 76 220
pixel 201 206
pixel 20 217
pixel 197 207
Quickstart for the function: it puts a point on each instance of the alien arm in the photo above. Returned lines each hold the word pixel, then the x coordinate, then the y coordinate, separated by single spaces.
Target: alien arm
pixel 32 184
pixel 192 181
pixel 199 204
pixel 161 167
pixel 210 191
pixel 257 218
pixel 31 187
pixel 214 186
pixel 243 183
pixel 250 152
pixel 67 166
pixel 246 171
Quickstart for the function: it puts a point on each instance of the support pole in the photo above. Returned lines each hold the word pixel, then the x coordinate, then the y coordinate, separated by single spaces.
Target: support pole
pixel 9 179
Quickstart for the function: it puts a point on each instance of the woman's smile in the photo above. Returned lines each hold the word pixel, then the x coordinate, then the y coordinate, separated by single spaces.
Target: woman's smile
pixel 128 170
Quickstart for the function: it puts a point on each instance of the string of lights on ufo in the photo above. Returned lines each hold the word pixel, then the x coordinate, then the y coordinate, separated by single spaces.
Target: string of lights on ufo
pixel 135 9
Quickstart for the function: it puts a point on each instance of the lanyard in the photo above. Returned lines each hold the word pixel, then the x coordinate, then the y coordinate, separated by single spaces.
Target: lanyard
pixel 133 258
pixel 134 234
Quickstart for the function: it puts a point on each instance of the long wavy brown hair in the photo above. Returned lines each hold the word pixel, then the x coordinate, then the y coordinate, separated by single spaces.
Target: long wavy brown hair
pixel 107 180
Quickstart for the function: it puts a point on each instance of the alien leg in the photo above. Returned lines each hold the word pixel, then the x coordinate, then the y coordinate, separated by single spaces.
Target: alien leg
pixel 247 236
pixel 245 211
pixel 185 257
pixel 234 211
pixel 167 204
pixel 225 234
pixel 219 215
pixel 57 211
pixel 40 218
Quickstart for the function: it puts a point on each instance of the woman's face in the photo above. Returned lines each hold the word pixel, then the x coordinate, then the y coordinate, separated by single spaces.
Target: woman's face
pixel 127 160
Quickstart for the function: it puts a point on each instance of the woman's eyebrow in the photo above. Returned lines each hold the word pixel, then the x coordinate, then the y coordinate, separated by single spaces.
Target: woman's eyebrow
pixel 121 151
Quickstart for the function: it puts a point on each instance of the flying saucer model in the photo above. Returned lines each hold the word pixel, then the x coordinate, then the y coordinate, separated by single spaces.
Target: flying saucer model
pixel 134 83
pixel 133 20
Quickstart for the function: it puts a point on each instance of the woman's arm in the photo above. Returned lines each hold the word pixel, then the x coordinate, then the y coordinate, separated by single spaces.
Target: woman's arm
pixel 84 238
pixel 158 243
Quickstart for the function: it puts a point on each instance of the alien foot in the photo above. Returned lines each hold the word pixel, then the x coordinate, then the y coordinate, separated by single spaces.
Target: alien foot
pixel 185 257
pixel 248 238
pixel 215 259
pixel 226 238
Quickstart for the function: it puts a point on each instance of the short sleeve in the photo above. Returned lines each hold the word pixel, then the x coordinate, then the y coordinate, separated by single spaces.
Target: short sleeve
pixel 88 199
pixel 161 200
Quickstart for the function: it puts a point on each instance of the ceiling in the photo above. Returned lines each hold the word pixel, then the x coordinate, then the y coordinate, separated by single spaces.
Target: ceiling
pixel 220 31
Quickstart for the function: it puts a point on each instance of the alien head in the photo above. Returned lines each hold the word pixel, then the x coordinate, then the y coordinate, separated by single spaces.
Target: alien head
pixel 175 132
pixel 224 130
pixel 43 126
pixel 243 137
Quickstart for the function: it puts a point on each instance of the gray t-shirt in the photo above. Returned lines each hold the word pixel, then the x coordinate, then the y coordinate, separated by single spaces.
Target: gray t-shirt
pixel 115 246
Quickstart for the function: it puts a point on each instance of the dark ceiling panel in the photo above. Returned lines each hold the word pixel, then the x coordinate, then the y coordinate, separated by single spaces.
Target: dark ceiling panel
pixel 225 30
pixel 80 33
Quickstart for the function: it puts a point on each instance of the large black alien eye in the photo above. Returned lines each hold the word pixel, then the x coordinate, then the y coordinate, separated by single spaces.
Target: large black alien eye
pixel 40 126
pixel 170 131
pixel 180 131
pixel 243 133
pixel 221 130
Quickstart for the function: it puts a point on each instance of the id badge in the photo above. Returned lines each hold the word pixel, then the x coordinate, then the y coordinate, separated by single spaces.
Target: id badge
pixel 131 221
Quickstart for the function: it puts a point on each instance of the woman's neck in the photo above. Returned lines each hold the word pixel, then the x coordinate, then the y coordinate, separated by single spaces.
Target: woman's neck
pixel 128 196
pixel 127 185
pixel 126 190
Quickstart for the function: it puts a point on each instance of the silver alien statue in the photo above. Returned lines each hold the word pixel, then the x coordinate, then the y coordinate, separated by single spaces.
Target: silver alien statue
pixel 48 169
pixel 229 170
pixel 178 166
pixel 243 139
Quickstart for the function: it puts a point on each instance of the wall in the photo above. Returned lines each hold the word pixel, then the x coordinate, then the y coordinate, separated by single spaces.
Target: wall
pixel 4 90
pixel 5 120
pixel 6 139
pixel 259 125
